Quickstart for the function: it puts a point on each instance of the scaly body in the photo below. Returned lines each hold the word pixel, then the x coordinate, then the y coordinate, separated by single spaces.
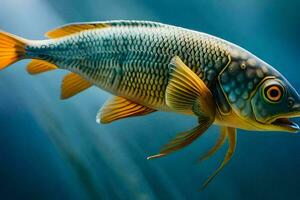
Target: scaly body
pixel 131 59
pixel 151 67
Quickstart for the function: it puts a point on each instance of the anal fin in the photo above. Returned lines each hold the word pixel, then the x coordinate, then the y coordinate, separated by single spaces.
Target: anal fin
pixel 39 66
pixel 119 108
pixel 73 84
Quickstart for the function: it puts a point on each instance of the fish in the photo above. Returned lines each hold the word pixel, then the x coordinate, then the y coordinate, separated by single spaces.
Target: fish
pixel 151 66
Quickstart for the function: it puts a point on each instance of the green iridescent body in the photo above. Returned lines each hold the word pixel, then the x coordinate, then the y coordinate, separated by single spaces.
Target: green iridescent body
pixel 131 59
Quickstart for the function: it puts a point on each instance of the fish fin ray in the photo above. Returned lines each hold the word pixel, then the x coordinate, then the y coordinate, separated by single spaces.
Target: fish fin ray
pixel 183 139
pixel 185 89
pixel 70 29
pixel 187 93
pixel 119 108
pixel 73 84
pixel 77 27
pixel 231 136
pixel 219 143
pixel 39 66
pixel 12 49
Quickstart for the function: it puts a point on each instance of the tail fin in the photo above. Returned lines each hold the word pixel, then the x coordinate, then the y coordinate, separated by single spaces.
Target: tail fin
pixel 12 49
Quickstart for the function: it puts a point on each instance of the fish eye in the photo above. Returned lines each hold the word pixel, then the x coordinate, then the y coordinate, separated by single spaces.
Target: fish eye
pixel 273 93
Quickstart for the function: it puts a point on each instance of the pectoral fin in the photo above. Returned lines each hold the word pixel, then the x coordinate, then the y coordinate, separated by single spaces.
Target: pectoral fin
pixel 231 135
pixel 185 89
pixel 119 108
pixel 73 84
pixel 187 93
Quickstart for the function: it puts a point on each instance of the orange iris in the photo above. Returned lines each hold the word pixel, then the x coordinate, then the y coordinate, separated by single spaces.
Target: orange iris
pixel 274 93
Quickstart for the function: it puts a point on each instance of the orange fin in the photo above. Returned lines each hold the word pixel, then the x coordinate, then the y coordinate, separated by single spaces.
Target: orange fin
pixel 39 66
pixel 72 85
pixel 74 28
pixel 12 49
pixel 82 26
pixel 119 108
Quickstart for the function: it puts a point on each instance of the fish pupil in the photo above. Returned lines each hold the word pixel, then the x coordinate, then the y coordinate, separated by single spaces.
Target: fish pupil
pixel 274 93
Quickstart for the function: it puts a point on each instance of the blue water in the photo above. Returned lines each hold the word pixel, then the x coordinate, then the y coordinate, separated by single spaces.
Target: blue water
pixel 53 149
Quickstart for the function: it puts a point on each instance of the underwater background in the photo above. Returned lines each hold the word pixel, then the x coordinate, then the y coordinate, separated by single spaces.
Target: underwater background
pixel 53 149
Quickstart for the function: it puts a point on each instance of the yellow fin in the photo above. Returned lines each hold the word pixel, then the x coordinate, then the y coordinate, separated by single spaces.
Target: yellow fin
pixel 77 27
pixel 220 141
pixel 183 139
pixel 231 136
pixel 74 28
pixel 186 92
pixel 12 49
pixel 39 66
pixel 72 85
pixel 119 108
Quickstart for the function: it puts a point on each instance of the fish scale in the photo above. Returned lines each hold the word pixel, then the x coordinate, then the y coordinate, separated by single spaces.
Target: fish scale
pixel 132 61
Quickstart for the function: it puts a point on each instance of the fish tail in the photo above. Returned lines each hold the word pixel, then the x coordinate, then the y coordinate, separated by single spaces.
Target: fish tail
pixel 12 49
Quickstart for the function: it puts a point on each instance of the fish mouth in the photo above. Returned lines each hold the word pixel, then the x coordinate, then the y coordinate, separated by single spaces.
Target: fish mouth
pixel 286 124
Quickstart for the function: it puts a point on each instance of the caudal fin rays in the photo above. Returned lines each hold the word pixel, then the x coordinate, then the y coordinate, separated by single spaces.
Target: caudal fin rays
pixel 12 49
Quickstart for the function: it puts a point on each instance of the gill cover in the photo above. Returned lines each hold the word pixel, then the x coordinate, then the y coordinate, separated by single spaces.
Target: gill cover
pixel 239 80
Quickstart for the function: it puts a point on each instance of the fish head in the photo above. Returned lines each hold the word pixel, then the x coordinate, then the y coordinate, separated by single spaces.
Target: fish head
pixel 260 97
pixel 274 102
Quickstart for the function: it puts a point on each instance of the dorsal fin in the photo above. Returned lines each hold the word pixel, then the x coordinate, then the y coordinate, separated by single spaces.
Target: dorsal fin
pixel 72 85
pixel 119 108
pixel 78 27
pixel 39 66
pixel 73 28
